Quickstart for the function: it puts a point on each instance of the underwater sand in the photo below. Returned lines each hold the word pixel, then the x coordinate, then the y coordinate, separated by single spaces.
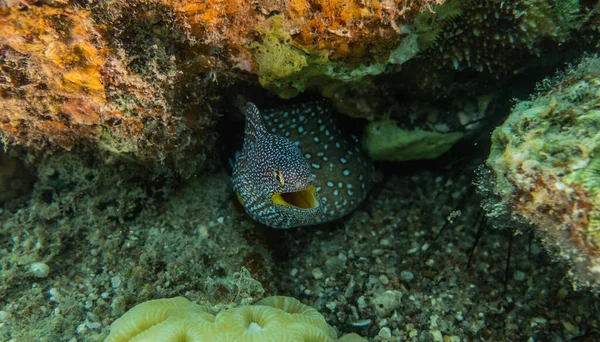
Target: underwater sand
pixel 112 240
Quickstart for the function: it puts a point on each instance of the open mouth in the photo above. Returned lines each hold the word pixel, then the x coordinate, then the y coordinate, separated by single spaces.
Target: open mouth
pixel 303 199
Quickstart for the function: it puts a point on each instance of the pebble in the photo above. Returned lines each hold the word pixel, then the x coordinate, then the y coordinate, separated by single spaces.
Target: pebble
pixel 4 316
pixel 437 335
pixel 361 302
pixel 39 269
pixel 317 273
pixel 55 296
pixel 384 279
pixel 331 305
pixel 115 282
pixel 407 275
pixel 377 252
pixel 385 332
pixel 519 275
pixel 203 232
pixel 334 265
pixel 387 302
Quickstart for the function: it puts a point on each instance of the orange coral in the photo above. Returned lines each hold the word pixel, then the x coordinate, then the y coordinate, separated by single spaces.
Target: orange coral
pixel 348 28
pixel 337 28
pixel 125 76
pixel 66 80
pixel 50 66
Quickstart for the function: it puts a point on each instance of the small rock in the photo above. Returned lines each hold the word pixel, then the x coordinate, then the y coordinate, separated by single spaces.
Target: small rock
pixel 39 269
pixel 203 232
pixel 334 265
pixel 362 323
pixel 331 305
pixel 115 282
pixel 361 302
pixel 317 273
pixel 385 332
pixel 437 335
pixel 407 275
pixel 384 279
pixel 519 276
pixel 387 302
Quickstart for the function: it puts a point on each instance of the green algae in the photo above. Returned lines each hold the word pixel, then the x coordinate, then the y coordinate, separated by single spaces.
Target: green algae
pixel 385 141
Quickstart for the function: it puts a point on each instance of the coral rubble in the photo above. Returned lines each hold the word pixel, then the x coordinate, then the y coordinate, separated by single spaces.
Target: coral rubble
pixel 546 169
pixel 84 222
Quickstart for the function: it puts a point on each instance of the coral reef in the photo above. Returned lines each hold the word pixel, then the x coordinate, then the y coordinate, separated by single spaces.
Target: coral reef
pixel 546 168
pixel 144 79
pixel 487 41
pixel 102 78
pixel 294 45
pixel 270 319
pixel 141 79
pixel 94 240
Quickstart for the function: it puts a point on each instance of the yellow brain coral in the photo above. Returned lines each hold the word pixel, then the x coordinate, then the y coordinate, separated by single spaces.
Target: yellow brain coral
pixel 276 318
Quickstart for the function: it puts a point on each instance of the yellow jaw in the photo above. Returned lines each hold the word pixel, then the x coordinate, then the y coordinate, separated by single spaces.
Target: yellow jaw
pixel 304 199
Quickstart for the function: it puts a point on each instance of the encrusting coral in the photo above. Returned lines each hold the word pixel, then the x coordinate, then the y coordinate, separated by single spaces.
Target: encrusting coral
pixel 545 169
pixel 137 78
pixel 175 319
pixel 68 79
pixel 145 78
pixel 482 43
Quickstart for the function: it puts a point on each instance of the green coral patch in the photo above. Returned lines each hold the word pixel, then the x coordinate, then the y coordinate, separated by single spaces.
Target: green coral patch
pixel 385 141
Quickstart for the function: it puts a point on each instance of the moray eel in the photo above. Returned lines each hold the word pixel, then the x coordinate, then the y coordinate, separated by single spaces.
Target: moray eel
pixel 297 169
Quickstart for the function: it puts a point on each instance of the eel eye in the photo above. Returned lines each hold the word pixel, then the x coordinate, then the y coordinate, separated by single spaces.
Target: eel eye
pixel 279 177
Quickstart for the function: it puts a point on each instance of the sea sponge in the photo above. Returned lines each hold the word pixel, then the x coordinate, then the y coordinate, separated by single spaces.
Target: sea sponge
pixel 274 319
pixel 545 169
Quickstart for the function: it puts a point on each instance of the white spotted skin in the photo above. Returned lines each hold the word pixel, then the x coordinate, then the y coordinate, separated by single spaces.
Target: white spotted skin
pixel 343 171
pixel 254 180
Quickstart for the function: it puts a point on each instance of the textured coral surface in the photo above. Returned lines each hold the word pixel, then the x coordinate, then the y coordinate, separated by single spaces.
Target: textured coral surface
pixel 547 171
pixel 272 319
pixel 137 78
pixel 67 79
pixel 51 84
